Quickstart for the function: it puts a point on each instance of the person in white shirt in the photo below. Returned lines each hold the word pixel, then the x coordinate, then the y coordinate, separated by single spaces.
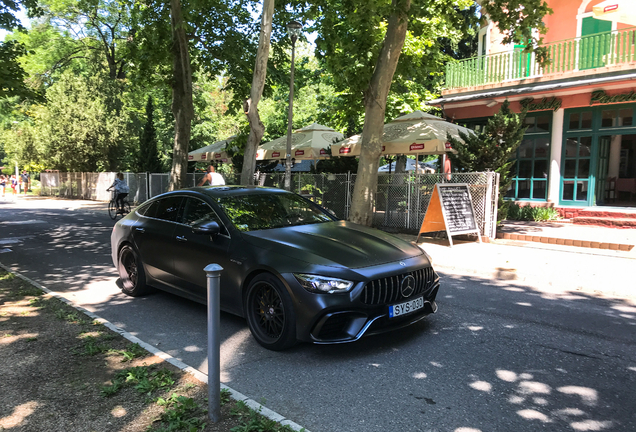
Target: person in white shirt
pixel 212 178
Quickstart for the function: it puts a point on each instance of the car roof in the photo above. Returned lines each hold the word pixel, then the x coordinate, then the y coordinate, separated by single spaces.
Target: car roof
pixel 229 190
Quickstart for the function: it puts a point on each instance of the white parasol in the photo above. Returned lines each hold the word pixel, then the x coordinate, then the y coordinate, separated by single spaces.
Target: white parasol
pixel 310 142
pixel 416 133
pixel 213 152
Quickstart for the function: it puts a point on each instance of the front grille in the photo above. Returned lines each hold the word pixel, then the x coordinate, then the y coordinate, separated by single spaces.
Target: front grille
pixel 387 290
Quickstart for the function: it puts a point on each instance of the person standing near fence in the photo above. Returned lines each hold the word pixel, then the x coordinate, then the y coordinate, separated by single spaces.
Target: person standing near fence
pixel 212 178
pixel 25 181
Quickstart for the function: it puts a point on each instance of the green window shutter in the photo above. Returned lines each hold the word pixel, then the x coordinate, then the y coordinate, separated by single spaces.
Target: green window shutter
pixel 594 47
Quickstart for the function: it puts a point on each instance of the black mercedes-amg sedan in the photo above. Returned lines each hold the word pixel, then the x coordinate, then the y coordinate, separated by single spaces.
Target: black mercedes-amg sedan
pixel 290 267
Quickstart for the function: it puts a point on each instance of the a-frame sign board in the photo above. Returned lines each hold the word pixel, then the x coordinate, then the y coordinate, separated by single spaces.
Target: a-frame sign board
pixel 451 210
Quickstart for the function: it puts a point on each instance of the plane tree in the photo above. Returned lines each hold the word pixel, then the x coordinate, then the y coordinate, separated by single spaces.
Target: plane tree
pixel 370 45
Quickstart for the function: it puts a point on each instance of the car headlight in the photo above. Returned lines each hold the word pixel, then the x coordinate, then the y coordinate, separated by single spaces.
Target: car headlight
pixel 322 284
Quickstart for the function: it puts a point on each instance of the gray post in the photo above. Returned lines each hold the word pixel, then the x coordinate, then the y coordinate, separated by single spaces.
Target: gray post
pixel 213 273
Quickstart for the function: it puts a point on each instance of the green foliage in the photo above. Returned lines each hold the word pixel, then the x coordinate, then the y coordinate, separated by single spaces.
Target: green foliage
pixel 531 213
pixel 182 414
pixel 492 149
pixel 93 347
pixel 132 352
pixel 252 420
pixel 520 21
pixel 81 128
pixel 148 150
pixel 12 75
pixel 351 33
pixel 145 379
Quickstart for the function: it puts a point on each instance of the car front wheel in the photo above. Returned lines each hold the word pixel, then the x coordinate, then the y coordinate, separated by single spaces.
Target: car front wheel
pixel 270 313
pixel 131 272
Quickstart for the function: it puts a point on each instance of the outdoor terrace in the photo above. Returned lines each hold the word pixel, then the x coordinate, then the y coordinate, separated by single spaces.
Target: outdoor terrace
pixel 602 52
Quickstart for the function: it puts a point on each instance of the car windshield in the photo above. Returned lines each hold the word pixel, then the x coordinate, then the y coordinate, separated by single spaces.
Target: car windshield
pixel 266 211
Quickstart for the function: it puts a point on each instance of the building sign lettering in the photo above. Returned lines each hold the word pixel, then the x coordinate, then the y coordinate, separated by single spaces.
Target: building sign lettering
pixel 599 96
pixel 545 104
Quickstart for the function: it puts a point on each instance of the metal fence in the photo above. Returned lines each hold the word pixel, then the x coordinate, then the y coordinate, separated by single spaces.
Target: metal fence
pixel 401 199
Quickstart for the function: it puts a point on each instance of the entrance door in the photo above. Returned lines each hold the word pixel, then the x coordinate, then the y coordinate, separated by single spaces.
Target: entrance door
pixel 602 192
pixel 577 159
pixel 594 47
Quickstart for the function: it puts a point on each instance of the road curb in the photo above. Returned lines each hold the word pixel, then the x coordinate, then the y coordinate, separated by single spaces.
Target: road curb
pixel 238 396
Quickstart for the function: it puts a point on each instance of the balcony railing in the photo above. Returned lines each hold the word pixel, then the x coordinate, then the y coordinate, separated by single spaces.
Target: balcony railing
pixel 588 52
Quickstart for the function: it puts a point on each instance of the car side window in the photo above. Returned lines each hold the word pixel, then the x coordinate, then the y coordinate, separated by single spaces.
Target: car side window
pixel 196 211
pixel 165 209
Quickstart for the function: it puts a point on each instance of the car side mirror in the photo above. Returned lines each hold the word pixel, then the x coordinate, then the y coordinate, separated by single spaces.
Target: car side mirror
pixel 208 228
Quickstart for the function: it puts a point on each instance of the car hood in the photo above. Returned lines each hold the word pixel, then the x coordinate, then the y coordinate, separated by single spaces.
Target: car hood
pixel 339 243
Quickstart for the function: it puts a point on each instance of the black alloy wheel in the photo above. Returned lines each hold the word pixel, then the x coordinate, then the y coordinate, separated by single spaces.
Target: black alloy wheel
pixel 270 313
pixel 131 272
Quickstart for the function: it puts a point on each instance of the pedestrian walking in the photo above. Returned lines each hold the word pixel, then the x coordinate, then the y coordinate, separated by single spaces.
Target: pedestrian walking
pixel 14 184
pixel 3 183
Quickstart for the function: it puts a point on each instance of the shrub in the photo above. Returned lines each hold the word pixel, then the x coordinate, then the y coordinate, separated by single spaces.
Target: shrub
pixel 528 212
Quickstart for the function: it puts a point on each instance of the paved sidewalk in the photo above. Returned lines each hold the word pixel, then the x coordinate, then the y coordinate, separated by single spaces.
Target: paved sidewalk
pixel 559 267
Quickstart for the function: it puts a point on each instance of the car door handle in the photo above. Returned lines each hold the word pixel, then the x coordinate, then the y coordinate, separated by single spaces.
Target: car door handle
pixel 141 230
pixel 181 238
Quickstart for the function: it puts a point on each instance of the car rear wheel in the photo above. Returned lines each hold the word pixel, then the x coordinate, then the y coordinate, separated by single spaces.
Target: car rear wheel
pixel 270 313
pixel 131 272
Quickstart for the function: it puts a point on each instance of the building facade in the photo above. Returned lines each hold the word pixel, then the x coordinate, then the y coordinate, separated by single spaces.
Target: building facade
pixel 580 146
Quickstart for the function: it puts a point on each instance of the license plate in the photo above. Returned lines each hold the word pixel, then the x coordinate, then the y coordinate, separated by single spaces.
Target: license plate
pixel 406 307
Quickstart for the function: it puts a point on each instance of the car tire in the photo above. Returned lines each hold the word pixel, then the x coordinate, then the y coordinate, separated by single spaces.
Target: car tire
pixel 131 272
pixel 270 313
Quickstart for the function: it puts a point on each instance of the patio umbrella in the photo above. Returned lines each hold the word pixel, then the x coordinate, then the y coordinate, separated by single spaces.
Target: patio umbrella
pixel 623 11
pixel 310 142
pixel 416 133
pixel 212 152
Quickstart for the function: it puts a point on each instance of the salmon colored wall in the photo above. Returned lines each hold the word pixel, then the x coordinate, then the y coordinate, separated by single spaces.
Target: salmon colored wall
pixel 561 24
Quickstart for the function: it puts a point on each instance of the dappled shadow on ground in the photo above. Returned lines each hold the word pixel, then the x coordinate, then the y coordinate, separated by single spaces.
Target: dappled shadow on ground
pixel 499 355
pixel 55 362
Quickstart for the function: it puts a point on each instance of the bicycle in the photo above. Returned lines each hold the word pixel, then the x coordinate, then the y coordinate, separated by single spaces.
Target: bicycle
pixel 113 210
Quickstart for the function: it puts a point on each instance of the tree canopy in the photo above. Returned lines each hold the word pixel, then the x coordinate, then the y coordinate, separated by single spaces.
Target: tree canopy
pixel 102 64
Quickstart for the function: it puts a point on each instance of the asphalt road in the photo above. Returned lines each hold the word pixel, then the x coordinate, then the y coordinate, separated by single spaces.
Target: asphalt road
pixel 498 356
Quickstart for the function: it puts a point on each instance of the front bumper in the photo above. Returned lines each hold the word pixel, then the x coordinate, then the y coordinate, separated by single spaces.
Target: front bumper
pixel 340 318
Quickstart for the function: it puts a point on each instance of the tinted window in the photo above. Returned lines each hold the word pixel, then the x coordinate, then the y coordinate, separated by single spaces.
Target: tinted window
pixel 196 211
pixel 165 208
pixel 143 209
pixel 265 211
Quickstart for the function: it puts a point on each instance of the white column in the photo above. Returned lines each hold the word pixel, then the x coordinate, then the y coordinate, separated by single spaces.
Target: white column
pixel 556 146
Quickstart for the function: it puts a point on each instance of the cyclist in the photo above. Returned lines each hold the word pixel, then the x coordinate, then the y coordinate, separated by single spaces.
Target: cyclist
pixel 121 189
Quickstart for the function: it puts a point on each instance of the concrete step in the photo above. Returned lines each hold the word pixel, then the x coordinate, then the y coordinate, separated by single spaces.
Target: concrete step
pixel 610 222
pixel 547 239
pixel 571 213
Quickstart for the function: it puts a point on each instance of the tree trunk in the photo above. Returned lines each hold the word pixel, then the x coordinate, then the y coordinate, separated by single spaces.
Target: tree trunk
pixel 374 111
pixel 182 106
pixel 257 129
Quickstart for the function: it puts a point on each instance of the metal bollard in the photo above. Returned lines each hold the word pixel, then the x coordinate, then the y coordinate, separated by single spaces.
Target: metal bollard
pixel 213 273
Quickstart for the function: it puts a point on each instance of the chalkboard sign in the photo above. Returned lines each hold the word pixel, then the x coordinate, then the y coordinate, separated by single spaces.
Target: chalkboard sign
pixel 450 210
pixel 458 208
